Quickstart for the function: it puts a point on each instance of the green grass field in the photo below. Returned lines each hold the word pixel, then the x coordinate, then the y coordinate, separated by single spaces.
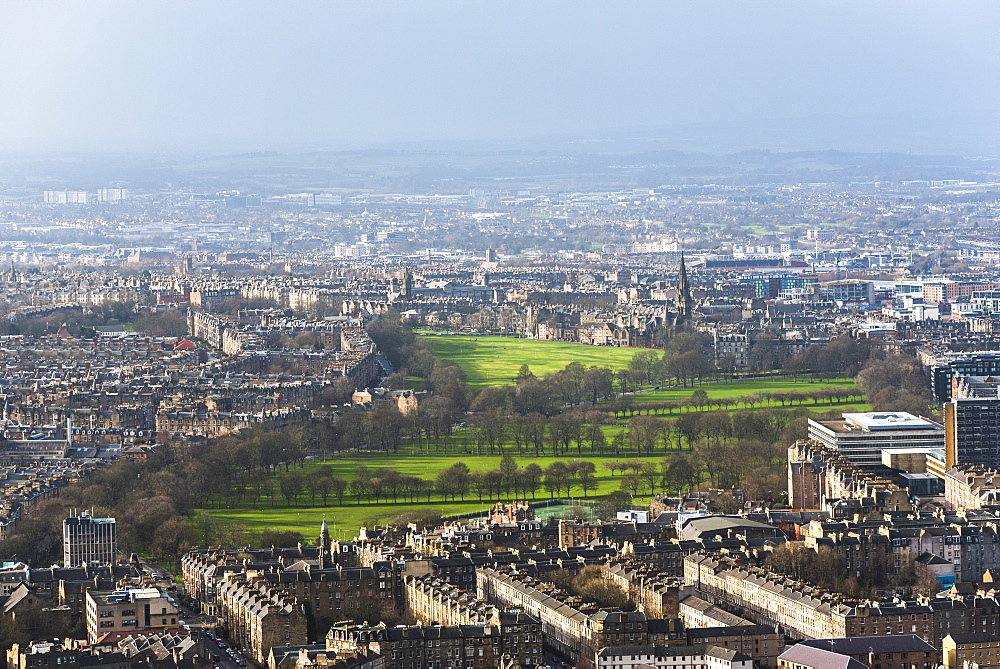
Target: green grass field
pixel 306 516
pixel 742 388
pixel 345 519
pixel 489 361
pixel 428 466
pixel 494 361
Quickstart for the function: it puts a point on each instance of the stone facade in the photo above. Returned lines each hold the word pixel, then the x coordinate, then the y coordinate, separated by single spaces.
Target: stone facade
pixel 570 627
pixel 259 616
pixel 436 602
pixel 802 611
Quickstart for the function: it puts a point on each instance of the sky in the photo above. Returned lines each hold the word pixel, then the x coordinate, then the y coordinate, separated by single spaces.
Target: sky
pixel 249 75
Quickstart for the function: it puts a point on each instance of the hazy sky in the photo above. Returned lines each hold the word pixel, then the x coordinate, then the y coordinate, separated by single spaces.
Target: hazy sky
pixel 259 75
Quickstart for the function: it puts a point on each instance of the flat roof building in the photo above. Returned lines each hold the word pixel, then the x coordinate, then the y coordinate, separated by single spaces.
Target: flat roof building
pixel 88 540
pixel 129 610
pixel 972 422
pixel 861 437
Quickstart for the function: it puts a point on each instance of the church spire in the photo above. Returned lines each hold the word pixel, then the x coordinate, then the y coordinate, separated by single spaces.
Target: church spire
pixel 683 303
pixel 323 555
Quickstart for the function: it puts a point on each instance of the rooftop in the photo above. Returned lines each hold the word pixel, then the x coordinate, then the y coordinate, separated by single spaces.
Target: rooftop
pixel 894 643
pixel 888 420
pixel 817 657
pixel 879 421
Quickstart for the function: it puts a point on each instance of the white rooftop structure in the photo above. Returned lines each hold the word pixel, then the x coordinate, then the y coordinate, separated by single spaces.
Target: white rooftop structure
pixel 888 420
pixel 862 436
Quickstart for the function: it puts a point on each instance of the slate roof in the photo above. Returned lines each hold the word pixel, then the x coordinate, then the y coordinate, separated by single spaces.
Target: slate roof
pixel 817 658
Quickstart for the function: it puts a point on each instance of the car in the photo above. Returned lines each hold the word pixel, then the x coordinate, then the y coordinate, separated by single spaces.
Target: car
pixel 221 645
pixel 241 663
pixel 217 640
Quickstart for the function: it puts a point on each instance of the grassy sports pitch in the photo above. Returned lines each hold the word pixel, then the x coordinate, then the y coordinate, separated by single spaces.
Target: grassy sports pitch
pixel 494 361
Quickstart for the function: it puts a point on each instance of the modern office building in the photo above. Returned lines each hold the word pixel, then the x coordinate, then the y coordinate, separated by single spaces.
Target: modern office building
pixel 972 422
pixel 130 610
pixel 862 436
pixel 89 540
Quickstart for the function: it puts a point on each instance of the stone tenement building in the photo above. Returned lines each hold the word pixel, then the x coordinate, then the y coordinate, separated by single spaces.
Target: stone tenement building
pixel 459 568
pixel 259 616
pixel 573 628
pixel 436 602
pixel 972 487
pixel 349 351
pixel 203 569
pixel 803 611
pixel 509 639
pixel 798 609
pixel 133 389
pixel 217 423
pixel 329 593
pixel 968 548
pixel 696 612
pixel 654 594
pixel 308 579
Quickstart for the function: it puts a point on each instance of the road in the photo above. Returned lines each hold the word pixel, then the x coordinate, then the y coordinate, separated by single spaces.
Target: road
pixel 201 625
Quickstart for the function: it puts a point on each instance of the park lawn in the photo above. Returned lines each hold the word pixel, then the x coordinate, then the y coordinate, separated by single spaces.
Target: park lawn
pixel 740 388
pixel 260 514
pixel 429 466
pixel 818 409
pixel 495 361
pixel 345 519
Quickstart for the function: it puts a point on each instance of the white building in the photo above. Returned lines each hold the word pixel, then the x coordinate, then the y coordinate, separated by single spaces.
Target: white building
pixel 65 197
pixel 862 436
pixel 111 194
